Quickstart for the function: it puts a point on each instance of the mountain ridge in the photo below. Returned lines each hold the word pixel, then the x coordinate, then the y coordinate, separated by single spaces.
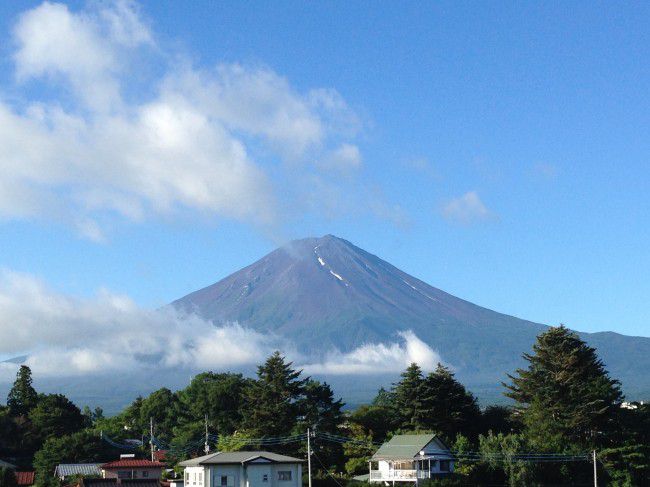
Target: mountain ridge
pixel 327 293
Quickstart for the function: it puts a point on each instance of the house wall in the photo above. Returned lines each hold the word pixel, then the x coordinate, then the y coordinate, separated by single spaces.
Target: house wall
pixel 250 475
pixel 383 467
pixel 195 477
pixel 137 473
pixel 234 471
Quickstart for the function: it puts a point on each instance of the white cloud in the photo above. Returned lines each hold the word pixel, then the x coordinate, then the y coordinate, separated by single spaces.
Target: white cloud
pixel 377 358
pixel 345 158
pixel 466 209
pixel 204 140
pixel 68 336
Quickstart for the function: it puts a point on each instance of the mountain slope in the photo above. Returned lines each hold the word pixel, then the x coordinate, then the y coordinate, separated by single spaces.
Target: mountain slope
pixel 326 292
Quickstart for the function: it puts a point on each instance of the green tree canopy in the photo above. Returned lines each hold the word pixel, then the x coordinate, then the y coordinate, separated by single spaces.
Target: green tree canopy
pixel 407 396
pixel 81 447
pixel 446 407
pixel 22 397
pixel 220 396
pixel 161 406
pixel 565 397
pixel 272 404
pixel 318 409
pixel 54 416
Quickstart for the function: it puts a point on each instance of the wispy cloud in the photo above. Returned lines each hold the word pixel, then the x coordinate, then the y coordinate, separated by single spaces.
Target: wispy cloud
pixel 467 209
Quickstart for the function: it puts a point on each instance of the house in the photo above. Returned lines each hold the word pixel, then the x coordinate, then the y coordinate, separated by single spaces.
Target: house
pixel 129 467
pixel 243 469
pixel 411 458
pixel 67 470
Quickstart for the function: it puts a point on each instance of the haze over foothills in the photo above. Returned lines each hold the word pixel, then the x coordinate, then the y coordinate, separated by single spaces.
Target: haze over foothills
pixel 150 150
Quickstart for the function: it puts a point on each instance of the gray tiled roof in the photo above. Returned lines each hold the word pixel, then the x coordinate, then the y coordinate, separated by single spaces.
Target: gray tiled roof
pixel 67 469
pixel 236 457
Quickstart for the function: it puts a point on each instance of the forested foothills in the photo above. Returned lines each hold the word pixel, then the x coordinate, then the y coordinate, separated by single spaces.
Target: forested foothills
pixel 563 402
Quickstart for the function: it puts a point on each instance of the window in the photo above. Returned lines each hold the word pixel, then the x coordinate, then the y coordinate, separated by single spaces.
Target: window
pixel 187 477
pixel 444 465
pixel 193 478
pixel 145 474
pixel 284 475
pixel 227 481
pixel 124 474
pixel 265 477
pixel 200 478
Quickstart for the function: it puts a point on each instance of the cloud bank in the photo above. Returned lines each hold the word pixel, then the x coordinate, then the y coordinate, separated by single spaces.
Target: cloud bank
pixel 66 336
pixel 106 124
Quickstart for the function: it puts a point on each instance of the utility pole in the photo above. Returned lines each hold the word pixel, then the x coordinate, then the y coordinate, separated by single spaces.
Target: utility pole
pixel 309 456
pixel 595 470
pixel 151 436
pixel 206 448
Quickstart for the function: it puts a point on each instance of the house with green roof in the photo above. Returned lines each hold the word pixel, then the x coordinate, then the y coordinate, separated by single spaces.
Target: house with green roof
pixel 243 469
pixel 410 458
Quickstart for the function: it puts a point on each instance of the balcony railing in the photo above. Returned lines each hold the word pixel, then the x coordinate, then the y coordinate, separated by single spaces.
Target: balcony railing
pixel 399 475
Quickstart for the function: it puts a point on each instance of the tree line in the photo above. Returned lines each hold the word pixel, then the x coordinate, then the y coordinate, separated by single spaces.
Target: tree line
pixel 563 401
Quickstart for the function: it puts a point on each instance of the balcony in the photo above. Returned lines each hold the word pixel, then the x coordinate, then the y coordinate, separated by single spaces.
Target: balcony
pixel 399 475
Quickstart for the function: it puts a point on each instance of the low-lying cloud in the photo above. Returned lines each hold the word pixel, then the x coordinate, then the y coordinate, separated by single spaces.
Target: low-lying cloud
pixel 379 358
pixel 67 336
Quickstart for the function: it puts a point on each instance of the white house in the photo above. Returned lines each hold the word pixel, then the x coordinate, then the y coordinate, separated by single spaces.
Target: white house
pixel 243 469
pixel 411 458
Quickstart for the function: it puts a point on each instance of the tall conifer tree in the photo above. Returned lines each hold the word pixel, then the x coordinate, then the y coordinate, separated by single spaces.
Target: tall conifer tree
pixel 447 407
pixel 22 397
pixel 407 395
pixel 565 397
pixel 272 400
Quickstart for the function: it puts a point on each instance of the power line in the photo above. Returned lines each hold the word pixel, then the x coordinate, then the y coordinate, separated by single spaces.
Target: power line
pixel 326 470
pixel 537 457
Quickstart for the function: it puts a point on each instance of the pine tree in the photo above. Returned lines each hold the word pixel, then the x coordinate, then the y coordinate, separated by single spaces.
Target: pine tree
pixel 407 394
pixel 565 397
pixel 273 399
pixel 22 397
pixel 447 407
pixel 320 412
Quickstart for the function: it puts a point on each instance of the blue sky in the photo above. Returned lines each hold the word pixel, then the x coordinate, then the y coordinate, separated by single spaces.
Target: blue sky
pixel 497 151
